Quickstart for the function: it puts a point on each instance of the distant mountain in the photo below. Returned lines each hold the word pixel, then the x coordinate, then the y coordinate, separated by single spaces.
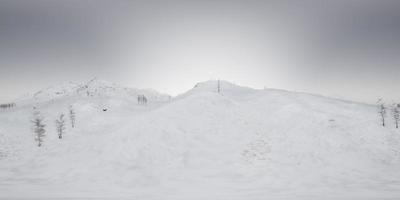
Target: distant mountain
pixel 92 88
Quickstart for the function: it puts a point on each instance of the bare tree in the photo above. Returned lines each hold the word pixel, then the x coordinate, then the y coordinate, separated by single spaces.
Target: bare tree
pixel 38 127
pixel 219 86
pixel 142 99
pixel 60 125
pixel 7 105
pixel 396 114
pixel 72 116
pixel 382 111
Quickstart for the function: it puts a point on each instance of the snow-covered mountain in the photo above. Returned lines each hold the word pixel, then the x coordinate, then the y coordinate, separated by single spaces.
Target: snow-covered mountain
pixel 240 143
pixel 92 88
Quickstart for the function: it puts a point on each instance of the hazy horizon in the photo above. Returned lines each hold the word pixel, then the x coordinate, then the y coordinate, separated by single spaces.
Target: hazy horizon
pixel 342 49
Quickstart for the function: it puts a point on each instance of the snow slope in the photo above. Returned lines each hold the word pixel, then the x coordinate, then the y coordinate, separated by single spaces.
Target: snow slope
pixel 240 144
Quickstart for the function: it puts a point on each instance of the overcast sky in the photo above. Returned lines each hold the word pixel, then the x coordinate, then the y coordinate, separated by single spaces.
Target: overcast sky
pixel 345 49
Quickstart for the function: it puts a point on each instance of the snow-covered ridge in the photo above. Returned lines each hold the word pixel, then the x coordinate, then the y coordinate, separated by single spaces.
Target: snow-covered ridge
pixel 92 88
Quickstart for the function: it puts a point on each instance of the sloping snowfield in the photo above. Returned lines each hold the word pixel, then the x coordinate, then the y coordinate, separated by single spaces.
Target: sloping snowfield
pixel 203 145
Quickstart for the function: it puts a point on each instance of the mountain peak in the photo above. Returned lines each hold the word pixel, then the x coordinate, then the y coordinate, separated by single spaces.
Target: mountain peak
pixel 93 88
pixel 222 87
pixel 95 82
pixel 222 84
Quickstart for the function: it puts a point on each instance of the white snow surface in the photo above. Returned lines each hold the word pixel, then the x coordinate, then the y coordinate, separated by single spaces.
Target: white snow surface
pixel 240 144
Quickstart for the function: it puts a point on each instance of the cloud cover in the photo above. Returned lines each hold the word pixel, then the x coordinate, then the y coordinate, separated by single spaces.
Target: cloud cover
pixel 345 49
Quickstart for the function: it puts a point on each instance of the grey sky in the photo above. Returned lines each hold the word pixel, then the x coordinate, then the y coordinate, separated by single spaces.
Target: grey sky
pixel 346 49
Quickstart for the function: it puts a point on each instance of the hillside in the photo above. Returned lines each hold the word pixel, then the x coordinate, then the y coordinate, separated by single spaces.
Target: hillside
pixel 240 143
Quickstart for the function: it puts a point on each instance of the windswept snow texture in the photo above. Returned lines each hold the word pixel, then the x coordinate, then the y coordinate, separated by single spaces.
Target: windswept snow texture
pixel 202 145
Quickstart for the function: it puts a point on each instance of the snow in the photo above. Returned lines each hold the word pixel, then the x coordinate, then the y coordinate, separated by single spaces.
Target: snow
pixel 241 143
